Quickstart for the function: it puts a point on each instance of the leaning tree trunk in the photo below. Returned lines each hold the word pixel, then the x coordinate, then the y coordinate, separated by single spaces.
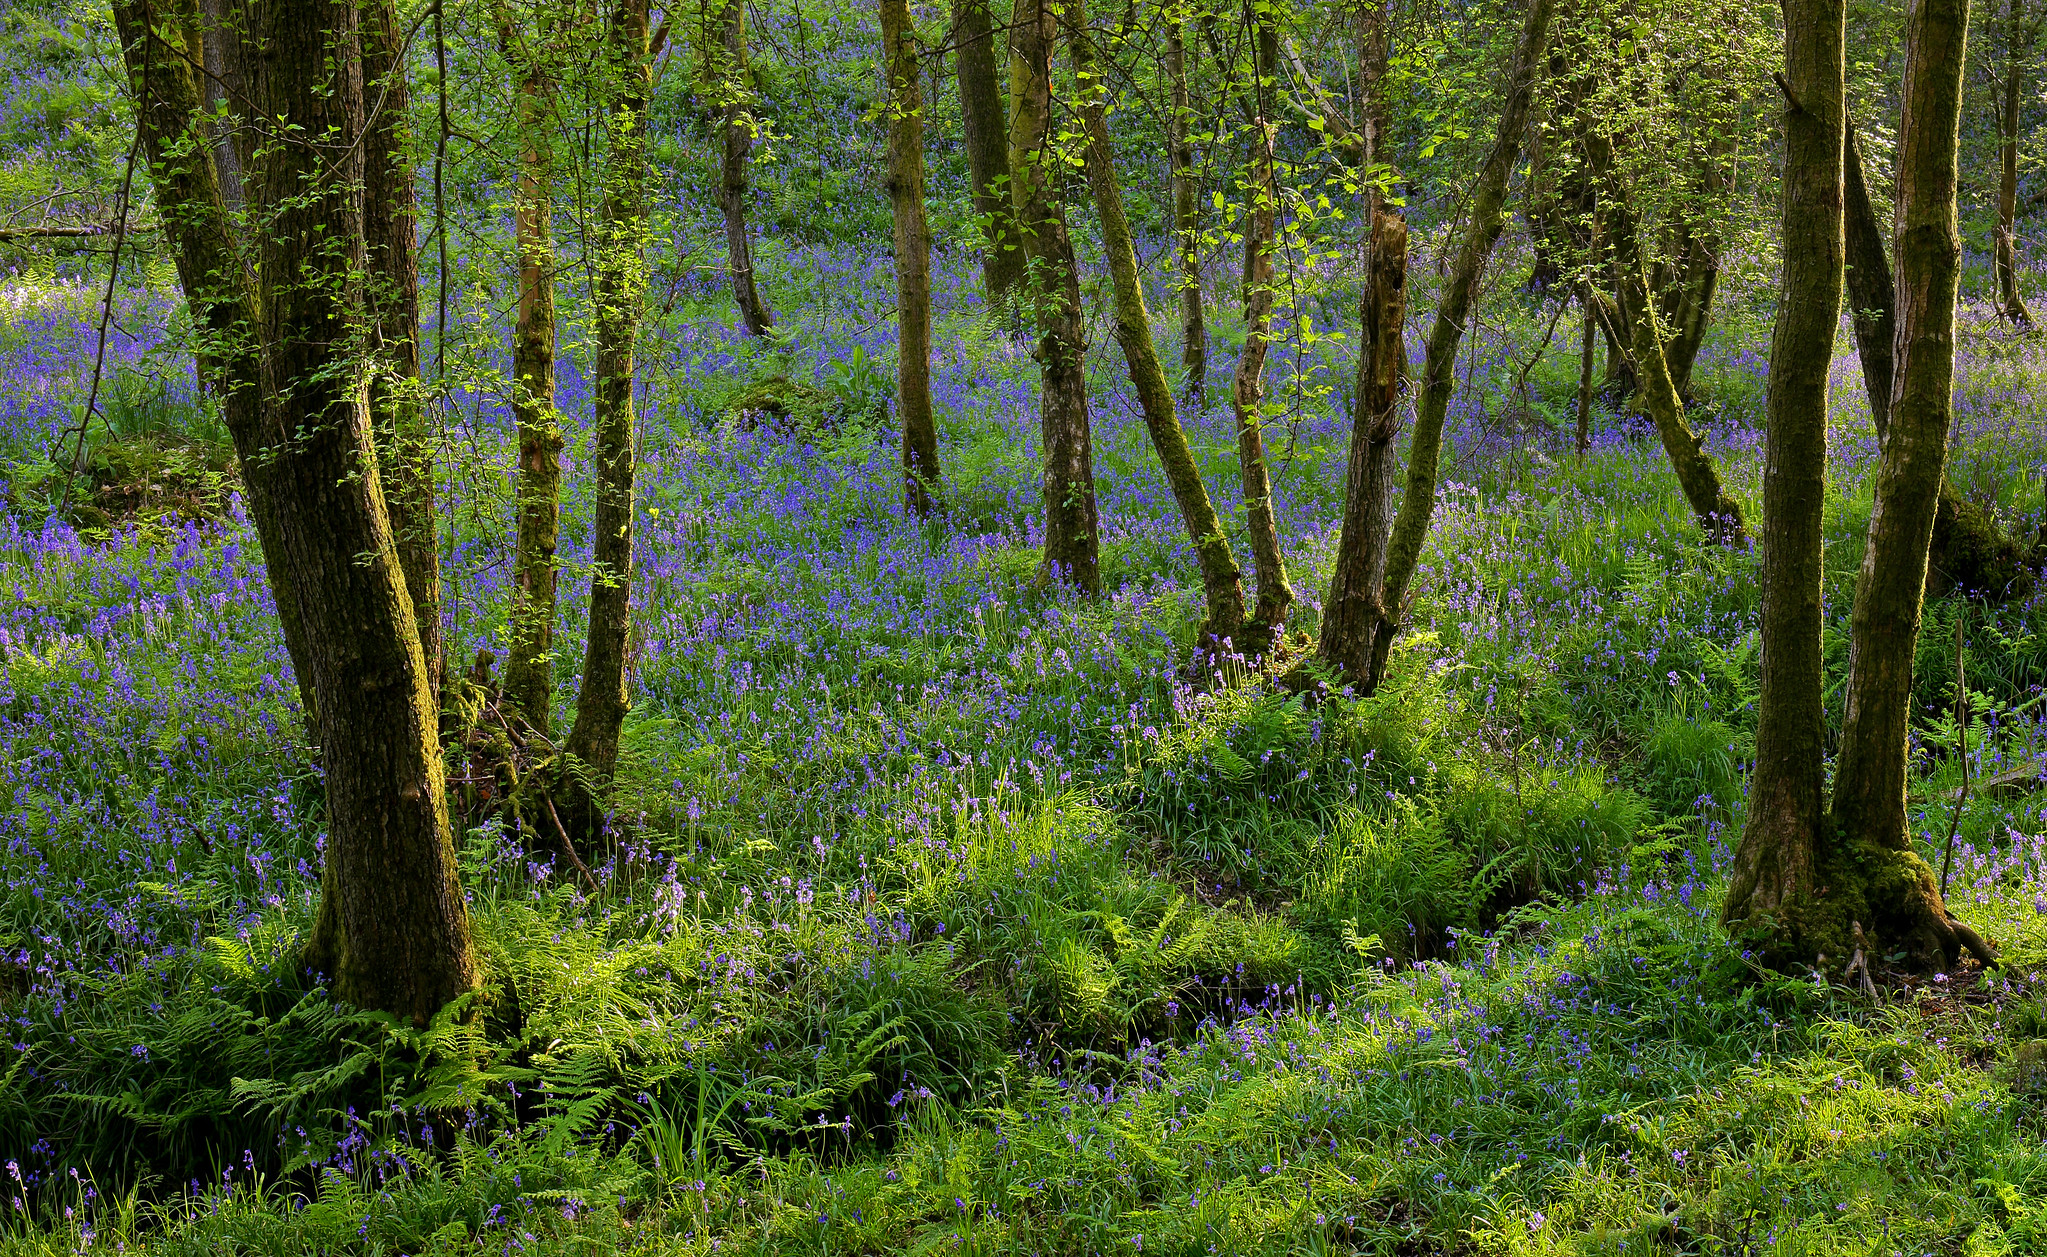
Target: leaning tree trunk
pixel 1186 221
pixel 1037 177
pixel 392 931
pixel 2010 303
pixel 1869 870
pixel 621 281
pixel 1871 296
pixel 1221 583
pixel 1350 619
pixel 529 671
pixel 913 257
pixel 986 126
pixel 734 86
pixel 397 403
pixel 1772 884
pixel 1247 387
pixel 1489 196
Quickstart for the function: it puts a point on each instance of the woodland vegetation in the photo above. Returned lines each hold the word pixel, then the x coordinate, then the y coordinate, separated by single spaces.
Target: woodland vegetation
pixel 1195 626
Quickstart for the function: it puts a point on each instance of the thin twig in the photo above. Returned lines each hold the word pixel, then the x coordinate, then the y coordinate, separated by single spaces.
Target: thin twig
pixel 569 848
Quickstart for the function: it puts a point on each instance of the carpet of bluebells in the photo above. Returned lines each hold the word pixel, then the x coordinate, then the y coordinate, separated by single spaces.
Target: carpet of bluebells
pixel 948 912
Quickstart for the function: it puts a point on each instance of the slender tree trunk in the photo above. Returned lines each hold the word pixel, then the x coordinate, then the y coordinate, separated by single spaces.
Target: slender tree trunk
pixel 1350 619
pixel 621 280
pixel 392 931
pixel 986 126
pixel 1586 356
pixel 1777 861
pixel 1247 389
pixel 1871 294
pixel 735 92
pixel 1186 221
pixel 913 257
pixel 1873 876
pixel 397 402
pixel 1222 584
pixel 529 669
pixel 1037 179
pixel 2011 304
pixel 1418 500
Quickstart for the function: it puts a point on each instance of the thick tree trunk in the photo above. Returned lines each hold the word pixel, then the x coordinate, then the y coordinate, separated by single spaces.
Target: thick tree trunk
pixel 1222 584
pixel 734 89
pixel 392 931
pixel 1186 221
pixel 1418 499
pixel 913 257
pixel 986 126
pixel 1873 875
pixel 398 409
pixel 1777 860
pixel 529 668
pixel 1037 180
pixel 621 279
pixel 2010 303
pixel 1247 387
pixel 1871 293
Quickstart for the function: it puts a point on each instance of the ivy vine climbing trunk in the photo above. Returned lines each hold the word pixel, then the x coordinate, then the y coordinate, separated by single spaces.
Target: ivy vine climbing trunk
pixel 621 278
pixel 1481 229
pixel 1247 386
pixel 283 317
pixel 732 86
pixel 985 124
pixel 913 257
pixel 1037 180
pixel 1221 582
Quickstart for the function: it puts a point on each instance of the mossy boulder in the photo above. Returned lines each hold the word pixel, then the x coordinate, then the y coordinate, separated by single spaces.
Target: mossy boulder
pixel 1971 553
pixel 793 408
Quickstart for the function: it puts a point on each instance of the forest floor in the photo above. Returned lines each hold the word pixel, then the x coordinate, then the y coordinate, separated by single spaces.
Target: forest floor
pixel 948 913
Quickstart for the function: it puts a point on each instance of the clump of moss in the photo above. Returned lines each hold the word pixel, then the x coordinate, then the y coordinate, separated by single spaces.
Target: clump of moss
pixel 1973 554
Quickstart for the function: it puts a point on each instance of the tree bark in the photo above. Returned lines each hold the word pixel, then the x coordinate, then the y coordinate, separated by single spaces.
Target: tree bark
pixel 1221 582
pixel 398 409
pixel 986 126
pixel 734 86
pixel 1875 877
pixel 621 279
pixel 1871 291
pixel 913 257
pixel 1418 499
pixel 2010 303
pixel 1037 177
pixel 1247 388
pixel 1777 861
pixel 529 666
pixel 1186 221
pixel 1585 359
pixel 392 931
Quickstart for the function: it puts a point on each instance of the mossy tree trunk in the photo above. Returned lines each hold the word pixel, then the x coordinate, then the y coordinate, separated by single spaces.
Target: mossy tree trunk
pixel 1221 582
pixel 1777 862
pixel 912 257
pixel 1871 873
pixel 1186 219
pixel 621 278
pixel 1037 180
pixel 1872 298
pixel 529 668
pixel 1586 356
pixel 1488 198
pixel 986 125
pixel 1351 617
pixel 283 320
pixel 733 88
pixel 2012 92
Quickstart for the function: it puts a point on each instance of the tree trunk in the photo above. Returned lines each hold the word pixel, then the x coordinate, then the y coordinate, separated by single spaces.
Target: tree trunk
pixel 393 930
pixel 734 87
pixel 1037 177
pixel 1871 294
pixel 1777 863
pixel 913 257
pixel 2010 303
pixel 1222 584
pixel 621 279
pixel 986 127
pixel 1585 359
pixel 1350 619
pixel 529 669
pixel 1418 500
pixel 1872 874
pixel 1186 221
pixel 398 408
pixel 1247 388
